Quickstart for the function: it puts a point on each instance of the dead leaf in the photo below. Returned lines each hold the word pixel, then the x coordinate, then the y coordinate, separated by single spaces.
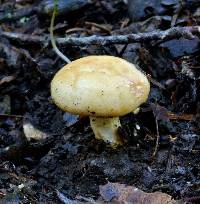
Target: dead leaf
pixel 173 116
pixel 161 113
pixel 32 132
pixel 122 194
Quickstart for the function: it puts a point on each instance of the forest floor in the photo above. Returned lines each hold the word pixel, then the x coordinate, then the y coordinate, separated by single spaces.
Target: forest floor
pixel 42 152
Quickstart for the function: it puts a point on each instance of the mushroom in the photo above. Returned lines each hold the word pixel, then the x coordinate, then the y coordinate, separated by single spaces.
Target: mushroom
pixel 103 88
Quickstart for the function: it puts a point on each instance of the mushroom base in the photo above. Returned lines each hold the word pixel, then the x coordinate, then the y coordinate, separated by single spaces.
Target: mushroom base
pixel 106 129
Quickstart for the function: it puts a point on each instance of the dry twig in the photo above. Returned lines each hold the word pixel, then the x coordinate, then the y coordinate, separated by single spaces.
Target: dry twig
pixel 176 32
pixel 157 139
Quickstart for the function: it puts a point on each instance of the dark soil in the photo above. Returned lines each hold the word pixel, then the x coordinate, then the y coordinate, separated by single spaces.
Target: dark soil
pixel 69 159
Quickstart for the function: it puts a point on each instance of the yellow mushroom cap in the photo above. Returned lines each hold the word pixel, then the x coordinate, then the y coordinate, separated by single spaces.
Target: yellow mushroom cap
pixel 100 86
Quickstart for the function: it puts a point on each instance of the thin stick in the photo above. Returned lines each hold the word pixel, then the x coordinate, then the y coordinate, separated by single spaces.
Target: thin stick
pixel 157 138
pixel 171 33
pixel 176 32
pixel 11 116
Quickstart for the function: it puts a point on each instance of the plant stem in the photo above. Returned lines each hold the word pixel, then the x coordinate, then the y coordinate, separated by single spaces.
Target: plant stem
pixel 58 52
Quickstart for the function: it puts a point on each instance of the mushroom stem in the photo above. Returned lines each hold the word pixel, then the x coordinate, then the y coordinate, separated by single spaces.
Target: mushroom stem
pixel 106 129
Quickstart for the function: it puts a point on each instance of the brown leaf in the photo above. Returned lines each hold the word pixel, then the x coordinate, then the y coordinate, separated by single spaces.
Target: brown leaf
pixel 120 194
pixel 173 116
pixel 161 113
